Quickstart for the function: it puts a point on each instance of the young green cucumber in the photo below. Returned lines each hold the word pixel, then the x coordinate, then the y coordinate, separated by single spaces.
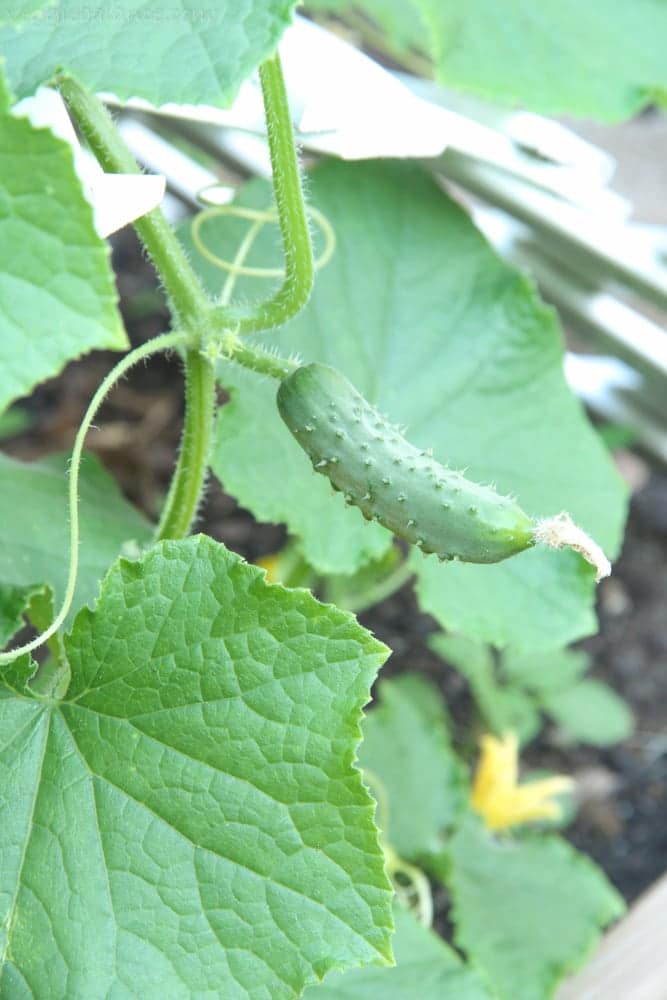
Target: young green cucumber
pixel 368 460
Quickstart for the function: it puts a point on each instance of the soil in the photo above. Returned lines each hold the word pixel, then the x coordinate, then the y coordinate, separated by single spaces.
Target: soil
pixel 622 818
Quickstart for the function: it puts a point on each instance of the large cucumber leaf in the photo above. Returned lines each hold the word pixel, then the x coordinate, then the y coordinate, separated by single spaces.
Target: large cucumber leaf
pixel 57 290
pixel 455 345
pixel 184 52
pixel 188 820
pixel 603 59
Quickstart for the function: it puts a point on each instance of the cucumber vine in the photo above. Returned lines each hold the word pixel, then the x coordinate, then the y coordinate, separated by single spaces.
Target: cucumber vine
pixel 207 329
pixel 442 512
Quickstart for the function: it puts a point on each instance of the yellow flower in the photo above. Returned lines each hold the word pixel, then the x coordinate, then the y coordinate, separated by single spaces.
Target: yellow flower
pixel 271 564
pixel 498 797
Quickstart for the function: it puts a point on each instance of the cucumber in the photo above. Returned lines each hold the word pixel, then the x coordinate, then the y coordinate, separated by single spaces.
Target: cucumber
pixel 402 487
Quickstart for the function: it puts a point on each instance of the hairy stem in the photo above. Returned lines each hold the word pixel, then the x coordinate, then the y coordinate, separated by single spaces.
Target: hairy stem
pixel 293 294
pixel 187 484
pixel 188 299
pixel 263 362
pixel 189 303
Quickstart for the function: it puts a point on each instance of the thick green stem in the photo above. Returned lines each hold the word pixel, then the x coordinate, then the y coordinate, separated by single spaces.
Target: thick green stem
pixel 263 362
pixel 189 303
pixel 188 481
pixel 293 294
pixel 191 307
pixel 188 299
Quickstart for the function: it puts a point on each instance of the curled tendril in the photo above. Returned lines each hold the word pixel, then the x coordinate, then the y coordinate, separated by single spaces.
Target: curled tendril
pixel 259 218
pixel 410 884
pixel 166 342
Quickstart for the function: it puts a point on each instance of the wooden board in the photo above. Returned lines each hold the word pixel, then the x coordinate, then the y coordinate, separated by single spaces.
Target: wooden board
pixel 631 962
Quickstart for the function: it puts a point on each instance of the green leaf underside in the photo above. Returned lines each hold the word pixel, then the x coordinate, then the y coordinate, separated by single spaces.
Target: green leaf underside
pixel 525 911
pixel 502 706
pixel 185 52
pixel 411 768
pixel 34 526
pixel 604 60
pixel 57 291
pixel 188 821
pixel 452 343
pixel 426 968
pixel 590 711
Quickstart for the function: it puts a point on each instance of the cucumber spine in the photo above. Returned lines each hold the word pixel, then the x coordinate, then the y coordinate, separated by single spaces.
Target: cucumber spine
pixel 368 460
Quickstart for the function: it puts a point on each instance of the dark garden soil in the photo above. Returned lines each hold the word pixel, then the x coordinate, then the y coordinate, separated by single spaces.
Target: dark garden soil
pixel 622 819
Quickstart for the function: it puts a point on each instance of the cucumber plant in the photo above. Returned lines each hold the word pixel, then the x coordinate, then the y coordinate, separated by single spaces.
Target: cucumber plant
pixel 181 809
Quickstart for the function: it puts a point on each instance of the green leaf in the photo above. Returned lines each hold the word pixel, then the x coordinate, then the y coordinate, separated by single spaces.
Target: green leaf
pixel 402 20
pixel 186 52
pixel 189 820
pixel 5 94
pixel 590 711
pixel 535 600
pixel 410 766
pixel 14 601
pixel 425 967
pixel 503 707
pixel 14 422
pixel 602 60
pixel 34 527
pixel 57 290
pixel 617 437
pixel 525 911
pixel 545 670
pixel 475 660
pixel 507 708
pixel 454 344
